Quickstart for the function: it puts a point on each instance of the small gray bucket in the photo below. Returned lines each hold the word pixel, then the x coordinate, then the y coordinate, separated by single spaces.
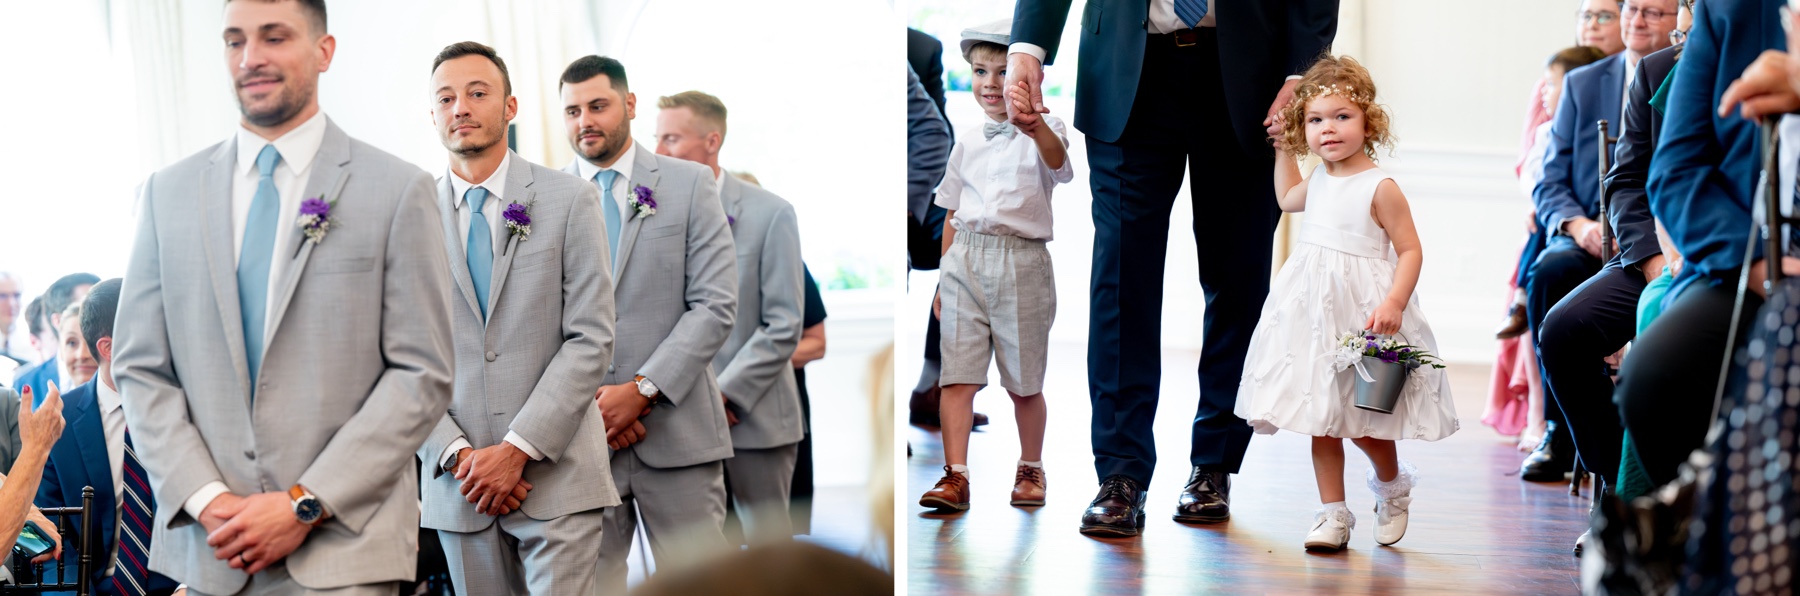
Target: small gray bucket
pixel 1384 393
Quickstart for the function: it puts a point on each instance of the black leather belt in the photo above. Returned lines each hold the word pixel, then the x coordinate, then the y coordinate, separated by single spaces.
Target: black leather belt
pixel 1181 38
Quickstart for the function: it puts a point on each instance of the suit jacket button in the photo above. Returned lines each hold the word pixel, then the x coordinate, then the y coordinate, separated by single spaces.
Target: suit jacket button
pixel 249 454
pixel 609 369
pixel 491 356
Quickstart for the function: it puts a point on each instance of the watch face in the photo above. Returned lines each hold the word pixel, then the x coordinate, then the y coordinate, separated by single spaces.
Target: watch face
pixel 646 388
pixel 308 510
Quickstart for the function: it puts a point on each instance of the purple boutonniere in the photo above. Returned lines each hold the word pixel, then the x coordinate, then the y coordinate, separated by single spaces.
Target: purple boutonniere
pixel 518 220
pixel 643 200
pixel 315 219
pixel 730 220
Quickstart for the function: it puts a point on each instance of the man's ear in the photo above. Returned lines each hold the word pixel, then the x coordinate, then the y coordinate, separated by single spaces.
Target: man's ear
pixel 105 346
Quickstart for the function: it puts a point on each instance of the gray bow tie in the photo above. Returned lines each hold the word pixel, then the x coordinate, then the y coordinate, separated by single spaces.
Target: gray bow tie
pixel 990 130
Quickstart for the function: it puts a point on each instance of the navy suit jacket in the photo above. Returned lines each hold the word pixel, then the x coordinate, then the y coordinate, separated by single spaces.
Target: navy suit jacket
pixel 1260 44
pixel 1706 166
pixel 79 460
pixel 1629 208
pixel 38 379
pixel 1571 183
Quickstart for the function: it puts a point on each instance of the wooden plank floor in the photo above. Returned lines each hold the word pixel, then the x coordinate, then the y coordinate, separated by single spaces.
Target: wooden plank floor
pixel 1475 526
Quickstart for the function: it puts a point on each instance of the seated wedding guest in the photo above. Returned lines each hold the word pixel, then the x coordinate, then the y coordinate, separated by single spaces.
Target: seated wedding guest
pixel 39 429
pixel 754 364
pixel 811 349
pixel 1701 189
pixel 70 289
pixel 997 294
pixel 1567 198
pixel 97 440
pixel 1516 403
pixel 13 346
pixel 41 335
pixel 78 363
pixel 1599 316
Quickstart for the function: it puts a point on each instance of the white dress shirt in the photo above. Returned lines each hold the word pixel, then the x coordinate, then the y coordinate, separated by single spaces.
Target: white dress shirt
pixel 297 148
pixel 621 190
pixel 1001 186
pixel 112 421
pixel 493 209
pixel 1789 154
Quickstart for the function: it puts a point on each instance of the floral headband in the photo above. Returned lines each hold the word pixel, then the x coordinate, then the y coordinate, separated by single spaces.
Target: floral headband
pixel 1346 91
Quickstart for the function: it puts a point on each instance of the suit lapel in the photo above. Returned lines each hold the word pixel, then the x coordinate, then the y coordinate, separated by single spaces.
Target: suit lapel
pixel 221 255
pixel 643 173
pixel 459 254
pixel 90 435
pixel 518 190
pixel 326 181
pixel 1612 85
pixel 730 192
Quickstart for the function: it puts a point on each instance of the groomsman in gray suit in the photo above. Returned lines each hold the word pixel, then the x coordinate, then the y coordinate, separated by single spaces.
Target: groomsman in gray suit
pixel 284 339
pixel 533 319
pixel 762 398
pixel 676 294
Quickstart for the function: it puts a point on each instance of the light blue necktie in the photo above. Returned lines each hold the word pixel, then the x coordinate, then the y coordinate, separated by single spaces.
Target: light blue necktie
pixel 1190 11
pixel 255 256
pixel 481 247
pixel 611 206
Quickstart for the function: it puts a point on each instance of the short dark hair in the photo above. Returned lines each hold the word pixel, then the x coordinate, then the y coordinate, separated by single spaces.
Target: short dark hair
pixel 1575 57
pixel 314 9
pixel 97 313
pixel 470 48
pixel 62 292
pixel 587 67
pixel 34 317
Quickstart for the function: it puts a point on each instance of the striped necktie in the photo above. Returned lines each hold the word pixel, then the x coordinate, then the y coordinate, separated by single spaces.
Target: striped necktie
pixel 131 573
pixel 1190 11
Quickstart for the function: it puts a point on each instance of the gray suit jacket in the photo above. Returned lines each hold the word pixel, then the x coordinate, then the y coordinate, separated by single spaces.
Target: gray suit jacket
pixel 356 371
pixel 675 287
pixel 10 443
pixel 533 367
pixel 755 368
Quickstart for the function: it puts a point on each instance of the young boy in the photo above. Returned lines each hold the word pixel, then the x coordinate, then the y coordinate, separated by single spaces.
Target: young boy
pixel 997 295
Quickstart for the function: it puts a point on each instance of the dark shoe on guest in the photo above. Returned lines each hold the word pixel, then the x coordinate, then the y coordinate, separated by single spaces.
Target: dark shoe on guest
pixel 1514 325
pixel 1595 518
pixel 1117 511
pixel 1551 461
pixel 923 409
pixel 950 494
pixel 1206 499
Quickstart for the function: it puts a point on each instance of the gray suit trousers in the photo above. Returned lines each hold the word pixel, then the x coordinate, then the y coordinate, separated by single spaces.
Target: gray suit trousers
pixel 683 511
pixel 521 555
pixel 275 581
pixel 760 479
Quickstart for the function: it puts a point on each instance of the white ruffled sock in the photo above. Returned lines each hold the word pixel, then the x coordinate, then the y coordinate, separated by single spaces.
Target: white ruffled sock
pixel 1400 486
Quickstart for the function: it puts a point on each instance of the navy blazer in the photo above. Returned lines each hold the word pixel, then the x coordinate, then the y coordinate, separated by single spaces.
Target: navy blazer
pixel 1629 209
pixel 1260 44
pixel 38 378
pixel 1706 166
pixel 1571 183
pixel 79 460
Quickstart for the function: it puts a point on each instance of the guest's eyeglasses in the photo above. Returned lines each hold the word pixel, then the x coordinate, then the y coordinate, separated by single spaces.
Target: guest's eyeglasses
pixel 1653 15
pixel 13 296
pixel 1604 17
pixel 1677 37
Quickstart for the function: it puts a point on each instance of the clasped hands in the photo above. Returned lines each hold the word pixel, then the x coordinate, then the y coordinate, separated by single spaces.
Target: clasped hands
pixel 253 532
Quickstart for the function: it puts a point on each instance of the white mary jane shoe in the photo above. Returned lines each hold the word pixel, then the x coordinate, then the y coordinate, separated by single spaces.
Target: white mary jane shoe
pixel 1390 520
pixel 1330 530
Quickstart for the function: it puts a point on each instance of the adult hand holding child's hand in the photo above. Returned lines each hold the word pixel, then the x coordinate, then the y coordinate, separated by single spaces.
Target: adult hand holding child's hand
pixel 1024 115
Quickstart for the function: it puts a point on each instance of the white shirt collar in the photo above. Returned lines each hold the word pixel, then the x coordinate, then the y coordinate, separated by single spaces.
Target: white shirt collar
pixel 623 166
pixel 108 397
pixel 297 147
pixel 495 183
pixel 719 177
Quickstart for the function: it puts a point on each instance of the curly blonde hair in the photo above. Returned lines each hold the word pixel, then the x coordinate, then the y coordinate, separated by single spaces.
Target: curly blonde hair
pixel 1345 77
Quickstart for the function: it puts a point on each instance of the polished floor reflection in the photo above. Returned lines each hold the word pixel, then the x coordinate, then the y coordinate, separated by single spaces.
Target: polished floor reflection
pixel 1476 528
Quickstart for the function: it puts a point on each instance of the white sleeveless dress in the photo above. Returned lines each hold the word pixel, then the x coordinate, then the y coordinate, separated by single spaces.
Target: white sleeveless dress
pixel 1342 267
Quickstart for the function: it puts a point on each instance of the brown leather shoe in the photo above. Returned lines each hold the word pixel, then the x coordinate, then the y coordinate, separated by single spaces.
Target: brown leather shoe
pixel 1514 325
pixel 950 494
pixel 923 409
pixel 1206 499
pixel 1029 486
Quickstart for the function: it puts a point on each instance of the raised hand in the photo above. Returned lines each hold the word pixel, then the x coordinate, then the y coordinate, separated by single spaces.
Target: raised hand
pixel 39 429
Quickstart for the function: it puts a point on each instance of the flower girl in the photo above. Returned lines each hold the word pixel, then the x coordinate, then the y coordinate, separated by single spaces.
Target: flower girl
pixel 1339 295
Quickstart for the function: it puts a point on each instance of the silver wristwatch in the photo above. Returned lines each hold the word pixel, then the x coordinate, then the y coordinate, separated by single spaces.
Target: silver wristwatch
pixel 647 389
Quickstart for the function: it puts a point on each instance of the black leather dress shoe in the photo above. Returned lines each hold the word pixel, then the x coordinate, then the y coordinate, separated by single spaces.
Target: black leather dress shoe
pixel 1206 499
pixel 923 409
pixel 1117 511
pixel 1551 460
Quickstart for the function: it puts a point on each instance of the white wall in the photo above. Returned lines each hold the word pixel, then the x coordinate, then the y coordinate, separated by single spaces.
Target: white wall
pixel 1456 76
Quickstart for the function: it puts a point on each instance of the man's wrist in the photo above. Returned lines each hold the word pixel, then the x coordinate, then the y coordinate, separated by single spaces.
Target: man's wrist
pixel 203 498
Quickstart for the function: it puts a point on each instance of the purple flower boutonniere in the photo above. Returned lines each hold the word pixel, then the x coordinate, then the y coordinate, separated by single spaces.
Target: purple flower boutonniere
pixel 315 219
pixel 518 220
pixel 643 200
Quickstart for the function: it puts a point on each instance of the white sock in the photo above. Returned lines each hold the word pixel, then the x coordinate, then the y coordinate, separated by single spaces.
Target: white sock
pixel 960 469
pixel 1035 464
pixel 1519 297
pixel 1335 505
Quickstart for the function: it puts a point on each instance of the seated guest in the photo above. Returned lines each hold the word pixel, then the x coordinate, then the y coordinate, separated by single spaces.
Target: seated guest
pixel 1568 198
pixel 70 289
pixel 97 439
pixel 77 362
pixel 38 430
pixel 1598 317
pixel 1701 189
